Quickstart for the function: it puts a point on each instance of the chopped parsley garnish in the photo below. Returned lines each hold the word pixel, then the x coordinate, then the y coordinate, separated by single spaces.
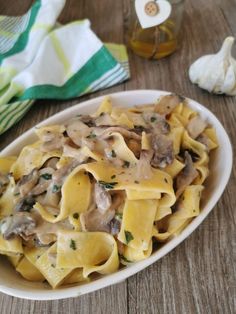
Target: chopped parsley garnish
pixel 128 236
pixel 113 177
pixel 46 176
pixel 56 188
pixel 108 185
pixel 113 154
pixel 136 182
pixel 102 114
pixel 52 265
pixel 76 215
pixel 165 180
pixel 91 135
pixel 153 119
pixel 126 164
pixel 72 244
pixel 17 194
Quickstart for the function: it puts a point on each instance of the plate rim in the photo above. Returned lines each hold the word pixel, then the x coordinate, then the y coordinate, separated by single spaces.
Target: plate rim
pixel 123 274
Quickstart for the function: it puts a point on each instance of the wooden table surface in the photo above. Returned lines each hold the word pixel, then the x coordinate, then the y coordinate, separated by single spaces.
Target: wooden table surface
pixel 199 275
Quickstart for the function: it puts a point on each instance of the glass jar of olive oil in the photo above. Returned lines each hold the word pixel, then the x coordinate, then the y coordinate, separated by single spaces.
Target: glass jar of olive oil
pixel 160 40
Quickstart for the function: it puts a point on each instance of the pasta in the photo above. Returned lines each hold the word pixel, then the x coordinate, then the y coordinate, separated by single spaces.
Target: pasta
pixel 98 191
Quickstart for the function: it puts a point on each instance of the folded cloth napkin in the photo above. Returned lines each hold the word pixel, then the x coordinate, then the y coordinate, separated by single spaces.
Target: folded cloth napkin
pixel 41 61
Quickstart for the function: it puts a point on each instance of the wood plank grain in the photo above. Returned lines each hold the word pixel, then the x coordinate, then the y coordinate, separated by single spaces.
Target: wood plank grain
pixel 199 275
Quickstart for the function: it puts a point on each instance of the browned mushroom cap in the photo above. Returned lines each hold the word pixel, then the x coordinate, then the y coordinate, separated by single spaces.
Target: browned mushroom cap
pixel 168 103
pixel 27 182
pixel 4 180
pixel 20 224
pixel 186 176
pixel 163 150
pixel 196 126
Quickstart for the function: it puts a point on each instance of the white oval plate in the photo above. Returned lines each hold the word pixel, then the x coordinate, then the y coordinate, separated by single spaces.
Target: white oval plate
pixel 221 164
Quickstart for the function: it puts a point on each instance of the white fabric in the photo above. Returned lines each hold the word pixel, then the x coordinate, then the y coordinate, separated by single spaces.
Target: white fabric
pixel 47 16
pixel 48 65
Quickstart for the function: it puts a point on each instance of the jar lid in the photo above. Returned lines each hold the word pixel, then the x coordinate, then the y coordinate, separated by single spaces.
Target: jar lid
pixel 152 12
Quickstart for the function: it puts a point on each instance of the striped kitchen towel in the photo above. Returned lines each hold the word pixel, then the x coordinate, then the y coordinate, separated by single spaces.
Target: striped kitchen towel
pixel 41 61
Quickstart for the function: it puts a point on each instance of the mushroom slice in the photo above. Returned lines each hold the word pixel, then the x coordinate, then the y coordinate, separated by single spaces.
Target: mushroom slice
pixel 52 137
pixel 144 169
pixel 168 103
pixel 196 126
pixel 163 151
pixel 88 120
pixel 4 180
pixel 203 139
pixel 51 163
pixel 115 225
pixel 25 204
pixel 77 130
pixel 27 182
pixel 157 122
pixel 102 198
pixel 94 220
pixel 126 133
pixel 21 224
pixel 59 175
pixel 45 178
pixel 75 153
pixel 186 176
pixel 105 120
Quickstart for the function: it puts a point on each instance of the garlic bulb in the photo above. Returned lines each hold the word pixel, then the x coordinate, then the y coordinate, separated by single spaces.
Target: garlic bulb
pixel 217 72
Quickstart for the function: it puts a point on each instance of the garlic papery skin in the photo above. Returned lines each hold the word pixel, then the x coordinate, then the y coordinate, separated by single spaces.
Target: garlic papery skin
pixel 216 73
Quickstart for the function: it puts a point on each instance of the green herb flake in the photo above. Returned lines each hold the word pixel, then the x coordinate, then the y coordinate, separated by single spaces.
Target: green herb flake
pixel 136 182
pixel 153 119
pixel 113 177
pixel 76 215
pixel 108 185
pixel 17 194
pixel 166 181
pixel 113 154
pixel 128 236
pixel 72 244
pixel 126 164
pixel 56 188
pixel 119 216
pixel 46 176
pixel 91 135
pixel 52 265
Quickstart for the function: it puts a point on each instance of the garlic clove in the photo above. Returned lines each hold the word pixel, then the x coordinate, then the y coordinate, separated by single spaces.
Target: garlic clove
pixel 216 72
